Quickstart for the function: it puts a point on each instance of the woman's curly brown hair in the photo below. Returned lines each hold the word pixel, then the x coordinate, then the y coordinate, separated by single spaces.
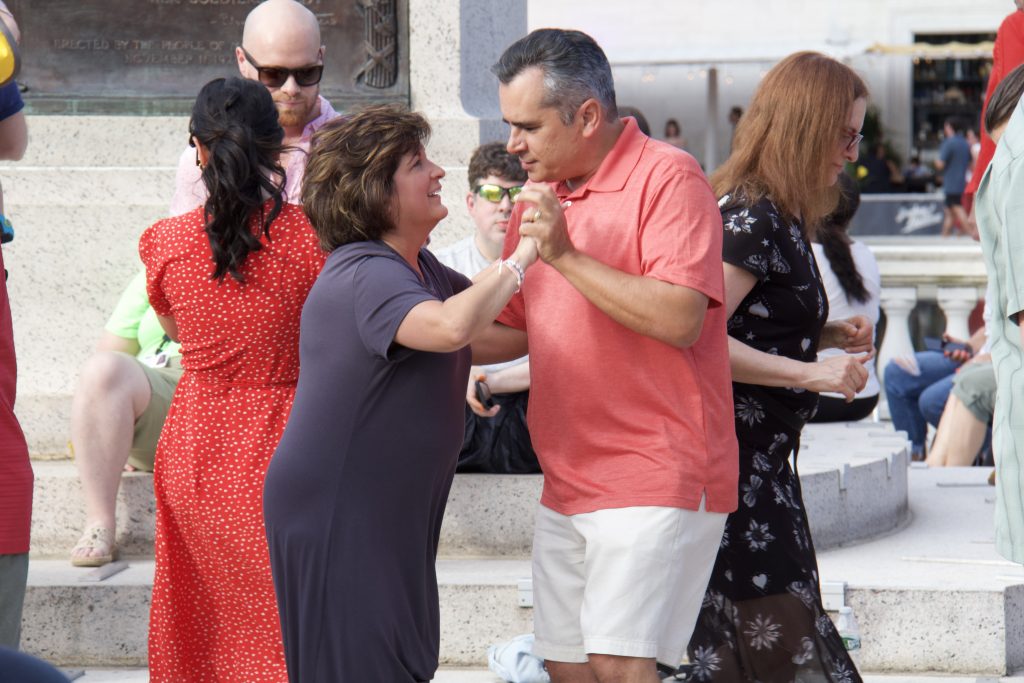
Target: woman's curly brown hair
pixel 348 187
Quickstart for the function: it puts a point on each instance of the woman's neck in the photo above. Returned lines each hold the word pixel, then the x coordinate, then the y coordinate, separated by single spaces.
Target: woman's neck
pixel 406 247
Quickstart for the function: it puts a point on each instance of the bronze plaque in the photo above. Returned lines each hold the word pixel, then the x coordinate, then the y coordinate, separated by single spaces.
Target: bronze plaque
pixel 152 56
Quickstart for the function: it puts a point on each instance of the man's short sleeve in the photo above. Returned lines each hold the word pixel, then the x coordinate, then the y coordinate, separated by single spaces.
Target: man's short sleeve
pixel 385 290
pixel 946 150
pixel 10 100
pixel 133 304
pixel 1012 235
pixel 747 238
pixel 680 235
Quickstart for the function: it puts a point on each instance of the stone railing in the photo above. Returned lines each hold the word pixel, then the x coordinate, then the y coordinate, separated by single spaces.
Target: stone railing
pixel 951 272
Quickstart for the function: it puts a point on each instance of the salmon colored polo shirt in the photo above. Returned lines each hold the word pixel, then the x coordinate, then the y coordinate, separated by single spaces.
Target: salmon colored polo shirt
pixel 619 419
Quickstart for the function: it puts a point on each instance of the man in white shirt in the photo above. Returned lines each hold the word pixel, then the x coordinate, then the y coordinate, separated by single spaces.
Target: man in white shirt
pixel 496 438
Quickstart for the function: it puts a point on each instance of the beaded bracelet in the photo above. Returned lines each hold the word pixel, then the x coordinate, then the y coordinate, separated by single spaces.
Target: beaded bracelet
pixel 515 269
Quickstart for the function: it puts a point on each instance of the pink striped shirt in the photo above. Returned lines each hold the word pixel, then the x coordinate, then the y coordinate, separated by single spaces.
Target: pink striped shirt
pixel 189 191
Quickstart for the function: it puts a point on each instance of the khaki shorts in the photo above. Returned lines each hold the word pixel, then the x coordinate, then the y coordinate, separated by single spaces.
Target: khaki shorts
pixel 626 581
pixel 162 382
pixel 975 386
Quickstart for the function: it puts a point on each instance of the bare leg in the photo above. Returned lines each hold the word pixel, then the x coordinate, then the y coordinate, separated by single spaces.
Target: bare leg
pixel 959 437
pixel 961 220
pixel 567 672
pixel 614 669
pixel 112 392
pixel 947 221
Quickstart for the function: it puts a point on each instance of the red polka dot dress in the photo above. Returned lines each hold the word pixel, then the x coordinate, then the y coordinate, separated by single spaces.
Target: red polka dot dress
pixel 213 615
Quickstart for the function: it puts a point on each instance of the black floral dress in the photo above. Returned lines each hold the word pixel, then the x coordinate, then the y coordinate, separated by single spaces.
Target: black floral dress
pixel 762 618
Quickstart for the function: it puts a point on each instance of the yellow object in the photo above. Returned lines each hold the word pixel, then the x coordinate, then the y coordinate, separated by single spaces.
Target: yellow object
pixel 10 56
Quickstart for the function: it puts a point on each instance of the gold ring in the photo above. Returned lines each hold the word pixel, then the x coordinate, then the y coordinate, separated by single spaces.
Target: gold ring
pixel 536 216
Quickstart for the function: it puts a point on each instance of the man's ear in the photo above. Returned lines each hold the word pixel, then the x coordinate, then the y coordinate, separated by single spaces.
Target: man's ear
pixel 591 114
pixel 470 201
pixel 240 59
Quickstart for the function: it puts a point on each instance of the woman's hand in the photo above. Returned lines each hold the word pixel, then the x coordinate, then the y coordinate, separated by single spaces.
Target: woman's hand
pixel 526 252
pixel 853 335
pixel 844 375
pixel 476 374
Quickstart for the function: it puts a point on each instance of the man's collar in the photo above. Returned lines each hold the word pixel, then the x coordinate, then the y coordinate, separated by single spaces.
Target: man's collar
pixel 327 113
pixel 617 165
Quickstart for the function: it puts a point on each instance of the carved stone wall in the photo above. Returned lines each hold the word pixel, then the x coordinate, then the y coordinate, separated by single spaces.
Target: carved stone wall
pixel 152 56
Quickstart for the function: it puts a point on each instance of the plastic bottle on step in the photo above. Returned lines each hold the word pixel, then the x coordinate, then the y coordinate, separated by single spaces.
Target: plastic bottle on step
pixel 849 631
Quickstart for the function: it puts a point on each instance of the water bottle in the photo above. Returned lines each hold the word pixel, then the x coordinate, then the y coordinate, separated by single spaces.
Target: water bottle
pixel 849 631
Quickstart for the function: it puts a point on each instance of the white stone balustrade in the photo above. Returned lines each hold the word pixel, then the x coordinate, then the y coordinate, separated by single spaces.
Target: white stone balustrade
pixel 951 272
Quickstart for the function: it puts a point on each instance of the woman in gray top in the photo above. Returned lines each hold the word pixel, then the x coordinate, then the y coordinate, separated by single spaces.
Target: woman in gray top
pixel 357 488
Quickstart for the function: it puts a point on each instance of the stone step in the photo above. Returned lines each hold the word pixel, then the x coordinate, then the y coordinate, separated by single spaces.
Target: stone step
pixel 104 141
pixel 932 596
pixel 487 515
pixel 26 185
pixel 475 675
pixel 857 496
pixel 67 267
pixel 935 595
pixel 948 624
pixel 444 675
pixel 70 622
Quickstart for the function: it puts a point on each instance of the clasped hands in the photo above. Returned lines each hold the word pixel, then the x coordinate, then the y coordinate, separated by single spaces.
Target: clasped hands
pixel 845 374
pixel 544 223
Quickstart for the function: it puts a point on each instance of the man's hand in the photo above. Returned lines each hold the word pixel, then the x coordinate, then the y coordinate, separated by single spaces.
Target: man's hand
pixel 544 221
pixel 477 374
pixel 958 355
pixel 853 335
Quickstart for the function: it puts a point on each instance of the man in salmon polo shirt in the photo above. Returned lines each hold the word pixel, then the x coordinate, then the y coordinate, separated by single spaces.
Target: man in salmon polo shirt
pixel 631 401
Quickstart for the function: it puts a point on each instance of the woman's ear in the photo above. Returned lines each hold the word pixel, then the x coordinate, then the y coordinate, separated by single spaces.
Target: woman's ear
pixel 202 154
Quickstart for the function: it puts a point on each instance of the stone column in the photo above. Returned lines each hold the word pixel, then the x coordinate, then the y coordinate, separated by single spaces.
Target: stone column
pixel 957 303
pixel 452 45
pixel 897 302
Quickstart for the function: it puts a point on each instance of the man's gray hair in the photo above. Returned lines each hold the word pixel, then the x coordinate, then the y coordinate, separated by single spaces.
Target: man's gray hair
pixel 575 69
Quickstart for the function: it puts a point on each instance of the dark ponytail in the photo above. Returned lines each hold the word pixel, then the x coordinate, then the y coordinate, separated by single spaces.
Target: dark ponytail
pixel 831 234
pixel 236 120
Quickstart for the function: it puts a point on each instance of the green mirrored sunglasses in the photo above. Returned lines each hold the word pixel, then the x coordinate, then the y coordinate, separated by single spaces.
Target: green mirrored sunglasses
pixel 494 193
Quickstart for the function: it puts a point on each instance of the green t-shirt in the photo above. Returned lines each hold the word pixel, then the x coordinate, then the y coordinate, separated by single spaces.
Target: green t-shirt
pixel 134 318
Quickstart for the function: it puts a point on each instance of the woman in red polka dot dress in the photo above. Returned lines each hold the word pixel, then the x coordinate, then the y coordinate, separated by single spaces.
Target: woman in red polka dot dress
pixel 228 281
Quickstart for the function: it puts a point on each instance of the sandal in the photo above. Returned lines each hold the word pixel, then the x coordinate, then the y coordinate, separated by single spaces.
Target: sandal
pixel 96 538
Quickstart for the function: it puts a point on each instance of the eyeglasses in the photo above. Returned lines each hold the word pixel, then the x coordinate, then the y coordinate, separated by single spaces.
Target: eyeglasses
pixel 495 193
pixel 276 76
pixel 854 141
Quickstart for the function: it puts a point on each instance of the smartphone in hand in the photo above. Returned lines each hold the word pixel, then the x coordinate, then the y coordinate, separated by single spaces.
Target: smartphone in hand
pixel 946 345
pixel 483 394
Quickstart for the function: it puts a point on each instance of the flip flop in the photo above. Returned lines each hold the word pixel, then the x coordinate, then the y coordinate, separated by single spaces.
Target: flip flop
pixel 96 538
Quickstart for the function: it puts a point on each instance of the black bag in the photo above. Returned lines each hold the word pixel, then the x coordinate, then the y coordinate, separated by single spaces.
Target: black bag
pixel 499 444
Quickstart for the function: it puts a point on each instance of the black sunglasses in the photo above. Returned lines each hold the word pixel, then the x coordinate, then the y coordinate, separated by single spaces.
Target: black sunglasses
pixel 276 76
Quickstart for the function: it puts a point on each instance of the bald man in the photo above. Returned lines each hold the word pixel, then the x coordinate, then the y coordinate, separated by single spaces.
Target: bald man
pixel 280 48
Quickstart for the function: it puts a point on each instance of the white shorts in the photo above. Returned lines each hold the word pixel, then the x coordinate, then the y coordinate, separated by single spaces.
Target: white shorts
pixel 624 581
